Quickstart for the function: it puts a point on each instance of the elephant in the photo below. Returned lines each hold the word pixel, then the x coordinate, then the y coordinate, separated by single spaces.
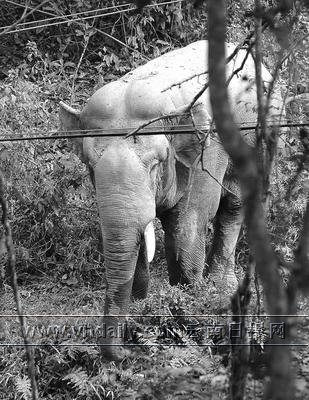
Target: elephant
pixel 165 175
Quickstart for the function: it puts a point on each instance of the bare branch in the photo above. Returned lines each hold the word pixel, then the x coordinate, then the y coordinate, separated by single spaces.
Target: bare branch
pixel 218 182
pixel 23 17
pixel 240 68
pixel 183 81
pixel 240 354
pixel 122 43
pixel 66 19
pixel 12 270
pixel 246 42
pixel 80 60
pixel 182 113
pixel 197 96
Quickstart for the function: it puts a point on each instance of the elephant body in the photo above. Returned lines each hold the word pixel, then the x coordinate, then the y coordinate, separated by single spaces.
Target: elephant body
pixel 139 178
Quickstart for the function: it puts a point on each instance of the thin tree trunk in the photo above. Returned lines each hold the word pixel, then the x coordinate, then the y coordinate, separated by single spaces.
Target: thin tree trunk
pixel 245 162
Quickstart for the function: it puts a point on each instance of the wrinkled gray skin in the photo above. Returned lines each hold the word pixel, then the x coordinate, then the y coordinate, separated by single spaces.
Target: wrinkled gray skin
pixel 156 175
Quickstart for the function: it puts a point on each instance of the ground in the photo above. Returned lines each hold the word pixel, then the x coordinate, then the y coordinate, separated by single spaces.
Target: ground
pixel 167 363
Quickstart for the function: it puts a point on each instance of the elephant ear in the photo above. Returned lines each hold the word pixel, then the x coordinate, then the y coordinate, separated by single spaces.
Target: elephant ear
pixel 187 156
pixel 69 122
pixel 172 188
pixel 187 146
pixel 187 149
pixel 176 180
pixel 184 155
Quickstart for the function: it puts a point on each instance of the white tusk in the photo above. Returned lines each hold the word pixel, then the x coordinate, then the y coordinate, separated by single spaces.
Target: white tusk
pixel 150 241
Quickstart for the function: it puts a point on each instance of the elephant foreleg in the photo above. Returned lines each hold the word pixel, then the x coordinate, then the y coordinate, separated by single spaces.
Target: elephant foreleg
pixel 141 276
pixel 221 259
pixel 184 245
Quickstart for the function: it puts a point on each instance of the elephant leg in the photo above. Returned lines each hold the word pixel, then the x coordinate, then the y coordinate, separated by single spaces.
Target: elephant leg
pixel 119 282
pixel 115 328
pixel 227 225
pixel 141 276
pixel 184 245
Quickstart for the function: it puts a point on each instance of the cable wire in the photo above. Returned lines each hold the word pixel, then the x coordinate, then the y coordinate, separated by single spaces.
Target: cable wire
pixel 120 132
pixel 67 21
pixel 65 15
pixel 71 20
pixel 106 25
pixel 99 31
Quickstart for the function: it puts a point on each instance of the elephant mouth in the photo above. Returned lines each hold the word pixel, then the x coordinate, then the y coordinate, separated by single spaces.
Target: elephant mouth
pixel 150 241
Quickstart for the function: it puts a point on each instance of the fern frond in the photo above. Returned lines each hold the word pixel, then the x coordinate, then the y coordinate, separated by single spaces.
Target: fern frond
pixel 23 387
pixel 79 379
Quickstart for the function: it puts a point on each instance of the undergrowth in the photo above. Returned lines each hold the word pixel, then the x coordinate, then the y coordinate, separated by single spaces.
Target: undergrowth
pixel 55 224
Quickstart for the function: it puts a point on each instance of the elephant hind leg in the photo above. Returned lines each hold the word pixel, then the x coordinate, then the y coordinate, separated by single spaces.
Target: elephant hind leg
pixel 141 276
pixel 221 259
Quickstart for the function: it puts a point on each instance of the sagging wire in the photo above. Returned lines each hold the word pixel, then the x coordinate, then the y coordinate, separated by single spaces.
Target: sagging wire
pixel 123 132
pixel 71 20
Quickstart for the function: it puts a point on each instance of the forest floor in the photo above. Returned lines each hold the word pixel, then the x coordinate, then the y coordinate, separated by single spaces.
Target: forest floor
pixel 168 362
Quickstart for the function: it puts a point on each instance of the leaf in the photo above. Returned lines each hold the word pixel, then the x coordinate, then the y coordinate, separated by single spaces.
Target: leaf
pixel 219 381
pixel 23 387
pixel 301 385
pixel 4 155
pixel 71 282
pixel 79 380
pixel 49 226
pixel 162 42
pixel 69 64
pixel 306 184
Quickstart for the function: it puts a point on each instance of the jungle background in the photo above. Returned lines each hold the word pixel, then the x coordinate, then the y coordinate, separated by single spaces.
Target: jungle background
pixel 54 219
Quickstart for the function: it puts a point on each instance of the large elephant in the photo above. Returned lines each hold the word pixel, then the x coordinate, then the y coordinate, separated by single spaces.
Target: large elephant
pixel 137 179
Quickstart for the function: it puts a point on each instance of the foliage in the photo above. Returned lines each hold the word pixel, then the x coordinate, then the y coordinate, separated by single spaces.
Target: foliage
pixel 47 185
pixel 56 50
pixel 78 372
pixel 54 217
pixel 145 34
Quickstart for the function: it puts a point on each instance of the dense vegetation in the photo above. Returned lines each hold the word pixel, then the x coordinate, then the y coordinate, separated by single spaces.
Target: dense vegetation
pixel 53 213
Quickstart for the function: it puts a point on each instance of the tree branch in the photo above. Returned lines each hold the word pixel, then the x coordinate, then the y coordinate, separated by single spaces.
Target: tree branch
pixel 12 270
pixel 181 113
pixel 24 16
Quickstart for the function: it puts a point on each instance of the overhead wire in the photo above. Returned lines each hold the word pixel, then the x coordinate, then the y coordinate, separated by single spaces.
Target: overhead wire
pixel 71 20
pixel 97 30
pixel 65 15
pixel 105 25
pixel 67 21
pixel 121 132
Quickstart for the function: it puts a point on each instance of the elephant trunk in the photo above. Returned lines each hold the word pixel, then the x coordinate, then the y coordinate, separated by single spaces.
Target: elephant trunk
pixel 127 208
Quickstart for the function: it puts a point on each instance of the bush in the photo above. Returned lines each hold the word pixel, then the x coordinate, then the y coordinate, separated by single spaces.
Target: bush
pixel 54 219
